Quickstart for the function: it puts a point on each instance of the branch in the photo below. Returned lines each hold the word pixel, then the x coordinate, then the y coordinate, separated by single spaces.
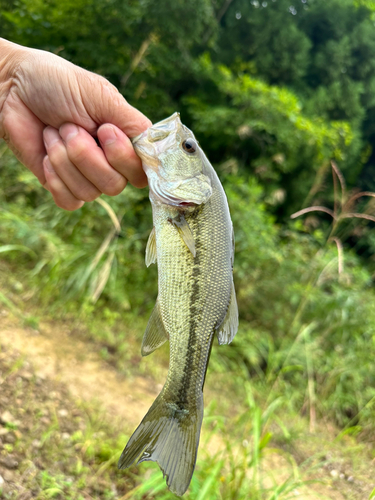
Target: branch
pixel 111 213
pixel 138 58
pixel 335 189
pixel 223 10
pixel 359 216
pixel 359 195
pixel 314 209
pixel 340 252
pixel 341 179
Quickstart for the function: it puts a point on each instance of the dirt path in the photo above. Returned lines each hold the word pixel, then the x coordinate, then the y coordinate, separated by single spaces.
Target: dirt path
pixel 57 355
pixel 63 358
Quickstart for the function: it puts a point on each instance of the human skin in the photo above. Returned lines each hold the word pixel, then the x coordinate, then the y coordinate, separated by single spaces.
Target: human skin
pixel 50 112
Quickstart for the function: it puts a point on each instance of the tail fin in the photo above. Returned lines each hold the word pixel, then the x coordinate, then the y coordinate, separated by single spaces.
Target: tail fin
pixel 170 437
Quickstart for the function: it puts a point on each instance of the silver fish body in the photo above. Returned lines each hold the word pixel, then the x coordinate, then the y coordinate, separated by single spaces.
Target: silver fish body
pixel 192 242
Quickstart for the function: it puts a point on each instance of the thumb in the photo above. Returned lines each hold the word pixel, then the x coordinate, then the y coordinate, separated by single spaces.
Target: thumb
pixel 105 104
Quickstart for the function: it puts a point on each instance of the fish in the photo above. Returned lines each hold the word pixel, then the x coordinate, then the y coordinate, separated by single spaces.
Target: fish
pixel 192 242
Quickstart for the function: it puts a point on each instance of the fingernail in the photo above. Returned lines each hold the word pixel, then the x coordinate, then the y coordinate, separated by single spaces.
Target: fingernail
pixel 110 136
pixel 48 165
pixel 50 137
pixel 68 131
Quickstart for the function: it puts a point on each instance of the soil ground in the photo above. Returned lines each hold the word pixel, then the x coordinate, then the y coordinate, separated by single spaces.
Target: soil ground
pixel 48 372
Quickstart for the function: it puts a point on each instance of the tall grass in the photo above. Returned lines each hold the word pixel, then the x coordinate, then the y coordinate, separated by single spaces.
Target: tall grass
pixel 306 302
pixel 236 460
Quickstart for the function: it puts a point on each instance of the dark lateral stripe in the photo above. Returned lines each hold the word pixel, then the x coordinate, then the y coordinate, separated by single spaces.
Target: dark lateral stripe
pixel 193 353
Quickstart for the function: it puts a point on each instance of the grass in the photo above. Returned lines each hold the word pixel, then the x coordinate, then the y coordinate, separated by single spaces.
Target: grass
pixel 237 468
pixel 62 448
pixel 307 357
pixel 69 449
pixel 72 450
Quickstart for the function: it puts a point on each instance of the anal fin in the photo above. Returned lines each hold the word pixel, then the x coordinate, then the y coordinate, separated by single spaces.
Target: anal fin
pixel 155 334
pixel 151 248
pixel 229 327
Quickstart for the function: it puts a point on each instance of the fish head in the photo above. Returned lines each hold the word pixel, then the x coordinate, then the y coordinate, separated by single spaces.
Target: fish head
pixel 174 164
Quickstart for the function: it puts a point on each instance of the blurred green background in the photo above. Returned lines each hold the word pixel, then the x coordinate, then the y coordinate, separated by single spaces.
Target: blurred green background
pixel 281 96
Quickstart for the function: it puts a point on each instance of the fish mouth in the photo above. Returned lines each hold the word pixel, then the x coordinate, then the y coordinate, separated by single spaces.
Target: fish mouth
pixel 160 130
pixel 185 192
pixel 153 141
pixel 145 151
pixel 188 204
pixel 135 139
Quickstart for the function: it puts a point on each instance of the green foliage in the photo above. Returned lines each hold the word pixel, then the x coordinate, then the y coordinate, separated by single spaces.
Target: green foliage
pixel 71 256
pixel 287 280
pixel 274 92
pixel 239 469
pixel 288 283
pixel 320 51
pixel 265 129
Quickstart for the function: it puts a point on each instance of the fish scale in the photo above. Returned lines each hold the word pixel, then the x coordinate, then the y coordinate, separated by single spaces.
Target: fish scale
pixel 194 291
pixel 192 242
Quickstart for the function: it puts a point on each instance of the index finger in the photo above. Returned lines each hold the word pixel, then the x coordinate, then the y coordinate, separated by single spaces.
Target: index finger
pixel 113 108
pixel 120 154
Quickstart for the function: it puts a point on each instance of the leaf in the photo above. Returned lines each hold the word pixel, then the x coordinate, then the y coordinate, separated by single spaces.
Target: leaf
pixel 20 248
pixel 208 483
pixel 102 278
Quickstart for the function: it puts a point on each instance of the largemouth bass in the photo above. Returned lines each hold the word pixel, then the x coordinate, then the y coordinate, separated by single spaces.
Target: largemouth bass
pixel 192 242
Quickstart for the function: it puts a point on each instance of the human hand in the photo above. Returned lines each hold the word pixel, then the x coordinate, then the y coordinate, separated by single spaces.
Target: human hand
pixel 50 112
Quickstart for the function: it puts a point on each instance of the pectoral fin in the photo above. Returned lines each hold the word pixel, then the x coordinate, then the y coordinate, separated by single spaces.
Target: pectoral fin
pixel 151 249
pixel 229 327
pixel 155 334
pixel 185 232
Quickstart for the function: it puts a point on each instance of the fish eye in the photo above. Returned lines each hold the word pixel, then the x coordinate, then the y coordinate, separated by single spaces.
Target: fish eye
pixel 189 146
